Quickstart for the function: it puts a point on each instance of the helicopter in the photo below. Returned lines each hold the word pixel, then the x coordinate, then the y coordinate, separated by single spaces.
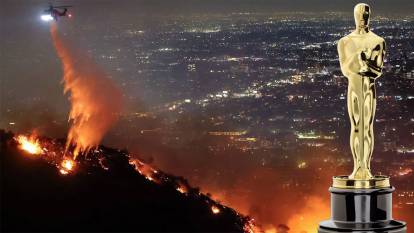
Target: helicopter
pixel 54 12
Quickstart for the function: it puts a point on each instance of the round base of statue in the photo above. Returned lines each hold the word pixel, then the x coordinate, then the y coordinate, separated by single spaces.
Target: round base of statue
pixel 361 210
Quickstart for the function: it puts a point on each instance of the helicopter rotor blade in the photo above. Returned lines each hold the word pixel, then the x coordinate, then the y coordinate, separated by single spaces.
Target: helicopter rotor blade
pixel 62 6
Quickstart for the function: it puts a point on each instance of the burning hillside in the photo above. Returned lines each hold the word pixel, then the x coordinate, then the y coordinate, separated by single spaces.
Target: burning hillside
pixel 77 185
pixel 102 190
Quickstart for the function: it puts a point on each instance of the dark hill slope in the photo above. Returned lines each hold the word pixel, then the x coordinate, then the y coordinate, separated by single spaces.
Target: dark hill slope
pixel 35 197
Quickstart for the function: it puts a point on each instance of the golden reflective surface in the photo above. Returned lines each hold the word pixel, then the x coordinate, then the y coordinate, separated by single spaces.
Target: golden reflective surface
pixel 374 182
pixel 361 56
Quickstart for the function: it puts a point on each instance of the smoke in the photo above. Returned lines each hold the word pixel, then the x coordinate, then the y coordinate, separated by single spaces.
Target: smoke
pixel 307 218
pixel 95 100
pixel 270 205
pixel 275 194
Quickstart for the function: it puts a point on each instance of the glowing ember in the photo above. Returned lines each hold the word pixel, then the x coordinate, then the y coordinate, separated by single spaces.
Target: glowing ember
pixel 302 165
pixel 145 170
pixel 405 172
pixel 182 190
pixel 63 172
pixel 215 209
pixel 67 166
pixel 250 227
pixel 103 165
pixel 29 145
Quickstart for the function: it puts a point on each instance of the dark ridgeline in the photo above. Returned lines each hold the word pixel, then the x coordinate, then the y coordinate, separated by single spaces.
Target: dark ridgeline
pixel 35 197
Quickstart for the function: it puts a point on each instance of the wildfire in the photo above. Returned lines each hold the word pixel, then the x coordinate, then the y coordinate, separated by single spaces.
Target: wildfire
pixel 251 227
pixel 68 164
pixel 30 145
pixel 404 172
pixel 307 218
pixel 182 189
pixel 55 154
pixel 215 209
pixel 144 169
pixel 63 172
pixel 95 100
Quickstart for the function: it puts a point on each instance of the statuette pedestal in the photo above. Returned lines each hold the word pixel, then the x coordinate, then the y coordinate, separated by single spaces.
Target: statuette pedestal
pixel 361 210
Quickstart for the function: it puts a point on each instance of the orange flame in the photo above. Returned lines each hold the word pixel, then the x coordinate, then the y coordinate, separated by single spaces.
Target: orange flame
pixel 67 165
pixel 251 227
pixel 307 219
pixel 144 169
pixel 95 100
pixel 215 209
pixel 63 171
pixel 405 171
pixel 182 189
pixel 30 145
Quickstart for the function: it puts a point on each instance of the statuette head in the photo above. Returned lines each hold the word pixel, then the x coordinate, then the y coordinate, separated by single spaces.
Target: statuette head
pixel 362 13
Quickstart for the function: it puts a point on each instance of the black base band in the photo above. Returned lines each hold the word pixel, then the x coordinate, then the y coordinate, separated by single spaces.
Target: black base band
pixel 361 210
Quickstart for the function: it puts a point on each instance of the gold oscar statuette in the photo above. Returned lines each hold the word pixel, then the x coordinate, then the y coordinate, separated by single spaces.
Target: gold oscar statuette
pixel 361 202
pixel 361 56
